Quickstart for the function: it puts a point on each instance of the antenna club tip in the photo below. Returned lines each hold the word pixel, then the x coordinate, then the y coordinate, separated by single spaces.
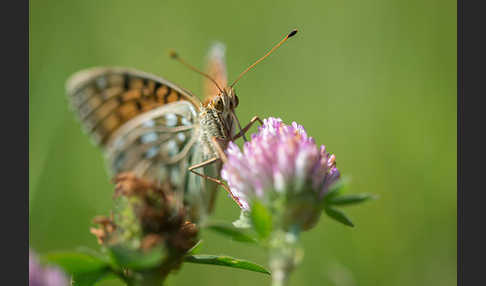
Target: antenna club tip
pixel 291 34
pixel 173 54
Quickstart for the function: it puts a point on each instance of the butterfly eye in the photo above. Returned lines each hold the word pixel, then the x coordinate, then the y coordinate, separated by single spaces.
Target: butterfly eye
pixel 235 101
pixel 218 104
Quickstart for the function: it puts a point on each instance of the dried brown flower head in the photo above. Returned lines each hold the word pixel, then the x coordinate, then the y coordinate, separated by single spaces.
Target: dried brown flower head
pixel 146 215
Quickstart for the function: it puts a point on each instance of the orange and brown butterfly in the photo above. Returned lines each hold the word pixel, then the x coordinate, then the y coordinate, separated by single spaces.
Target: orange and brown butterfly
pixel 150 126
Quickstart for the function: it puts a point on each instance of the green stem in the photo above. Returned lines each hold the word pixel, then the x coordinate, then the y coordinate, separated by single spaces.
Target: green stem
pixel 284 255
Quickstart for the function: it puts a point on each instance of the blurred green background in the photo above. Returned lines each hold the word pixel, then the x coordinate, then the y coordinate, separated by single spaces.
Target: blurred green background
pixel 375 81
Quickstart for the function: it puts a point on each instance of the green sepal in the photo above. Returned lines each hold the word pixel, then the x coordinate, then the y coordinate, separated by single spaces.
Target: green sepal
pixel 261 219
pixel 338 215
pixel 352 199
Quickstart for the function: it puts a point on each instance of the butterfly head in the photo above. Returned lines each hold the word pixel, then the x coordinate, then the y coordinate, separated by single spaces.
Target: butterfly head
pixel 225 102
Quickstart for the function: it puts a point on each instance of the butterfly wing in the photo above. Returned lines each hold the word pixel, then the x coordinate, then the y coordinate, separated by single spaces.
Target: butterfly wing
pixel 161 144
pixel 216 68
pixel 106 98
pixel 144 124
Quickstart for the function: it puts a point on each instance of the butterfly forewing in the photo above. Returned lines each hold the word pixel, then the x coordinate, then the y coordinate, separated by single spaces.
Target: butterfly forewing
pixel 106 98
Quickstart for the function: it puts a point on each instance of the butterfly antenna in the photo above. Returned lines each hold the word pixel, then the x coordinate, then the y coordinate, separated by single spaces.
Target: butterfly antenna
pixel 291 34
pixel 175 56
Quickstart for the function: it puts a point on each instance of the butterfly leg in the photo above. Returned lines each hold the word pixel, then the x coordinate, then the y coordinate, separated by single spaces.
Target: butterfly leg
pixel 212 179
pixel 219 150
pixel 247 127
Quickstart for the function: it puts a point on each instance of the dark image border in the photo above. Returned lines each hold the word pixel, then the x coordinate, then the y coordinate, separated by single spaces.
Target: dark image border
pixel 471 201
pixel 14 210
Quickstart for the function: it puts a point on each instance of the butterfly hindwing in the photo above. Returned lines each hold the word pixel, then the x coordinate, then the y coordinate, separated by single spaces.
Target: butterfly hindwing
pixel 160 145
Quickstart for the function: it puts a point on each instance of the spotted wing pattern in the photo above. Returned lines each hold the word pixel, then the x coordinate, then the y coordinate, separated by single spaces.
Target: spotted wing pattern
pixel 106 98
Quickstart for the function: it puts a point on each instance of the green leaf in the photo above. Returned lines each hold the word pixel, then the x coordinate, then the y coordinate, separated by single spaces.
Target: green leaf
pixel 136 259
pixel 91 278
pixel 85 269
pixel 338 215
pixel 101 255
pixel 232 232
pixel 261 219
pixel 226 261
pixel 349 199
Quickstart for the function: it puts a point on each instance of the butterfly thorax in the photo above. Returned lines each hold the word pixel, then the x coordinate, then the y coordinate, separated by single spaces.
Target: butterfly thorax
pixel 216 119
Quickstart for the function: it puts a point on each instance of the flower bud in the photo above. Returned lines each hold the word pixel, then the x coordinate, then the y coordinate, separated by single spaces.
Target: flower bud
pixel 146 215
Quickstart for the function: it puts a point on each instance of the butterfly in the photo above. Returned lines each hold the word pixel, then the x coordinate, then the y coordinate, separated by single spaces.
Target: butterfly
pixel 152 127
